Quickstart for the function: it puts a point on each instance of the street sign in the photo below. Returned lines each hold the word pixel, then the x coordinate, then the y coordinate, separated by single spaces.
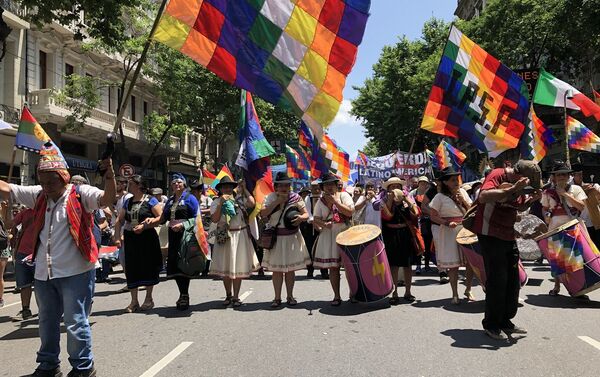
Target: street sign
pixel 126 170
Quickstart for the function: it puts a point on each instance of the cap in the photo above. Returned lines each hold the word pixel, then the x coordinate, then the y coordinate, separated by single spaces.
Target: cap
pixel 531 170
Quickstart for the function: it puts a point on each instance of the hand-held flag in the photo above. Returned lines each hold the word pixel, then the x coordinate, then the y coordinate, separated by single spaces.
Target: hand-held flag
pixel 448 156
pixel 582 138
pixel 476 98
pixel 536 138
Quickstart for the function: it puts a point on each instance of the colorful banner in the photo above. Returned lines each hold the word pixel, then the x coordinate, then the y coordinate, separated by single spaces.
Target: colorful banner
pixel 402 164
pixel 476 98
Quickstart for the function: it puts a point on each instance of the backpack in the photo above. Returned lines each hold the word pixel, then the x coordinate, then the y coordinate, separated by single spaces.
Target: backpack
pixel 192 260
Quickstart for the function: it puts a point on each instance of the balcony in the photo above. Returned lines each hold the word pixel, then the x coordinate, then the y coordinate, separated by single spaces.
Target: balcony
pixel 13 7
pixel 45 108
pixel 9 114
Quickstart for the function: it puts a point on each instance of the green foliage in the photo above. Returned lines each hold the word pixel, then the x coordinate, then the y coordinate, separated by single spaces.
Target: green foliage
pixel 391 102
pixel 277 124
pixel 81 94
pixel 102 19
pixel 371 149
pixel 154 125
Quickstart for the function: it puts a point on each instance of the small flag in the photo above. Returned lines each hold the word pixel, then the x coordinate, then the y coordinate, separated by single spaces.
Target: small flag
pixel 298 166
pixel 208 178
pixel 448 156
pixel 475 98
pixel 581 137
pixel 312 149
pixel 201 235
pixel 550 91
pixel 336 158
pixel 361 159
pixel 253 144
pixel 536 138
pixel 30 135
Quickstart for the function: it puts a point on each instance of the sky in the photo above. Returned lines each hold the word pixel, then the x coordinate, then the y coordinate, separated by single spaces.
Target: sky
pixel 389 20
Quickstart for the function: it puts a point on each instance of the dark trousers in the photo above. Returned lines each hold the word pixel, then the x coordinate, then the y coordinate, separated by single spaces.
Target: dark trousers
pixel 310 237
pixel 501 260
pixel 594 235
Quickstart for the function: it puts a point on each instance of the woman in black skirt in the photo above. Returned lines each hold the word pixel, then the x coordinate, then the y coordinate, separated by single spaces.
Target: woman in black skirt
pixel 143 259
pixel 182 205
pixel 397 237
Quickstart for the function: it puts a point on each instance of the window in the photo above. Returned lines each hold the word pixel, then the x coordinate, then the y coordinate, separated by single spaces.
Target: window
pixel 43 63
pixel 69 69
pixel 145 108
pixel 132 108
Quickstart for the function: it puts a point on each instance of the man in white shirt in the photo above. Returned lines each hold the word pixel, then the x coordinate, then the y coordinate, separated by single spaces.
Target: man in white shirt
pixel 372 214
pixel 309 231
pixel 65 255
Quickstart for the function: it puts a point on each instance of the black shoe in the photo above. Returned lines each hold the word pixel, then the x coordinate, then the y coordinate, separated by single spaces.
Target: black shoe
pixel 23 315
pixel 325 276
pixel 495 334
pixel 47 373
pixel 418 270
pixel 514 330
pixel 82 373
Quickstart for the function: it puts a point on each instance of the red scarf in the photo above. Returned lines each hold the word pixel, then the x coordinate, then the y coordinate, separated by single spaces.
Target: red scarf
pixel 80 222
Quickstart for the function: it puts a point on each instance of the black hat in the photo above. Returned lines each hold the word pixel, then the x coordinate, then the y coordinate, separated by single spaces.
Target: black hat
pixel 560 167
pixel 329 178
pixel 289 215
pixel 226 181
pixel 448 172
pixel 196 185
pixel 304 189
pixel 577 167
pixel 282 177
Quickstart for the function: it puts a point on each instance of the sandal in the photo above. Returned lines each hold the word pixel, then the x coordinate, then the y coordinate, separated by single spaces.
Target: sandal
pixel 147 305
pixel 469 295
pixel 410 298
pixel 455 300
pixel 183 303
pixel 336 302
pixel 236 302
pixel 275 303
pixel 292 301
pixel 394 300
pixel 553 292
pixel 227 300
pixel 132 308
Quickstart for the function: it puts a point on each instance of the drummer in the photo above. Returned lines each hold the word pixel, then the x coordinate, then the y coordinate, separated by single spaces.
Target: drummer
pixel 332 214
pixel 561 202
pixel 589 189
pixel 397 211
pixel 289 253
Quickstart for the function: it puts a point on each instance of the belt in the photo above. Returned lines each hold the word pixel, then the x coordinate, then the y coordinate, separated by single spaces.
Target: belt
pixel 286 232
pixel 236 229
pixel 454 219
pixel 396 226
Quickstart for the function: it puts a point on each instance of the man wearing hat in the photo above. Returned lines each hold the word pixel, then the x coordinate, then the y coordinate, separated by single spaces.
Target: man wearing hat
pixel 309 230
pixel 65 254
pixel 561 202
pixel 590 189
pixel 504 192
pixel 372 214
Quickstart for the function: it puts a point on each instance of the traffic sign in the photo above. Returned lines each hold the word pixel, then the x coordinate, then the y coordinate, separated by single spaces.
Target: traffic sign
pixel 126 170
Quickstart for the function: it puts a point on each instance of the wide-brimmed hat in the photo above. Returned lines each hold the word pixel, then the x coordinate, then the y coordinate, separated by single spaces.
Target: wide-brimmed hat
pixel 226 181
pixel 288 217
pixel 448 172
pixel 304 189
pixel 531 170
pixel 156 191
pixel 423 179
pixel 328 178
pixel 282 178
pixel 577 168
pixel 561 167
pixel 196 184
pixel 392 181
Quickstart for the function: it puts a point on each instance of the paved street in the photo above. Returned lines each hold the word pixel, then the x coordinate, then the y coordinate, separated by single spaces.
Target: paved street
pixel 430 337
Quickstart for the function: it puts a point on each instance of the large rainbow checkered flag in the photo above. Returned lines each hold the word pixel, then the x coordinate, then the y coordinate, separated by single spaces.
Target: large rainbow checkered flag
pixel 294 54
pixel 581 137
pixel 476 98
pixel 536 139
pixel 448 156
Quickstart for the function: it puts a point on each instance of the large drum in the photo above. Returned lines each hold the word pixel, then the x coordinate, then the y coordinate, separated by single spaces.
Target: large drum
pixel 573 257
pixel 469 245
pixel 365 262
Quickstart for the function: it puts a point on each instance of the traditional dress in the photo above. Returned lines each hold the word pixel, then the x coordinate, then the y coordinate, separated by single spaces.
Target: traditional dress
pixel 235 258
pixel 143 258
pixel 176 213
pixel 397 238
pixel 290 252
pixel 326 249
pixel 560 210
pixel 448 253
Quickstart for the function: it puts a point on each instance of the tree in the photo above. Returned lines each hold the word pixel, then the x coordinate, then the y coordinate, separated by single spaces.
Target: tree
pixel 390 103
pixel 101 19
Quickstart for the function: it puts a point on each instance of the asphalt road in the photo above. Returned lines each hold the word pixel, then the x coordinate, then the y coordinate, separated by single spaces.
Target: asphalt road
pixel 429 337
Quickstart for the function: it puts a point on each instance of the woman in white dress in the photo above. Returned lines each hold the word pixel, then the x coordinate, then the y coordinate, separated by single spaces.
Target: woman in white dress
pixel 447 209
pixel 285 211
pixel 333 213
pixel 234 259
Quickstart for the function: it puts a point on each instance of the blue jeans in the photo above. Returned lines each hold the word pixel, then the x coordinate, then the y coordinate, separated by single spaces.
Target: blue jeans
pixel 73 297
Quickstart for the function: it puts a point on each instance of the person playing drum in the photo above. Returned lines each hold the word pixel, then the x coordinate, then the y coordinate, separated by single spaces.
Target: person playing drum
pixel 332 214
pixel 447 209
pixel 289 253
pixel 502 195
pixel 396 212
pixel 561 203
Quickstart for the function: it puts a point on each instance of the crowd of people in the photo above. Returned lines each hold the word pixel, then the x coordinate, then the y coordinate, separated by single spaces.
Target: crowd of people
pixel 59 226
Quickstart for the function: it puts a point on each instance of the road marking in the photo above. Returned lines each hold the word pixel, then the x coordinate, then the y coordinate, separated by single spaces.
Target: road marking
pixel 245 295
pixel 13 304
pixel 590 341
pixel 166 360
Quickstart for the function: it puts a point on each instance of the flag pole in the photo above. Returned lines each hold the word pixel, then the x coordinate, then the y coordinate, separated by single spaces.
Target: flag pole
pixel 138 68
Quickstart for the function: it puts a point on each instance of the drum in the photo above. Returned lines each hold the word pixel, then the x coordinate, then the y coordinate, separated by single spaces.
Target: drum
pixel 469 244
pixel 573 257
pixel 365 262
